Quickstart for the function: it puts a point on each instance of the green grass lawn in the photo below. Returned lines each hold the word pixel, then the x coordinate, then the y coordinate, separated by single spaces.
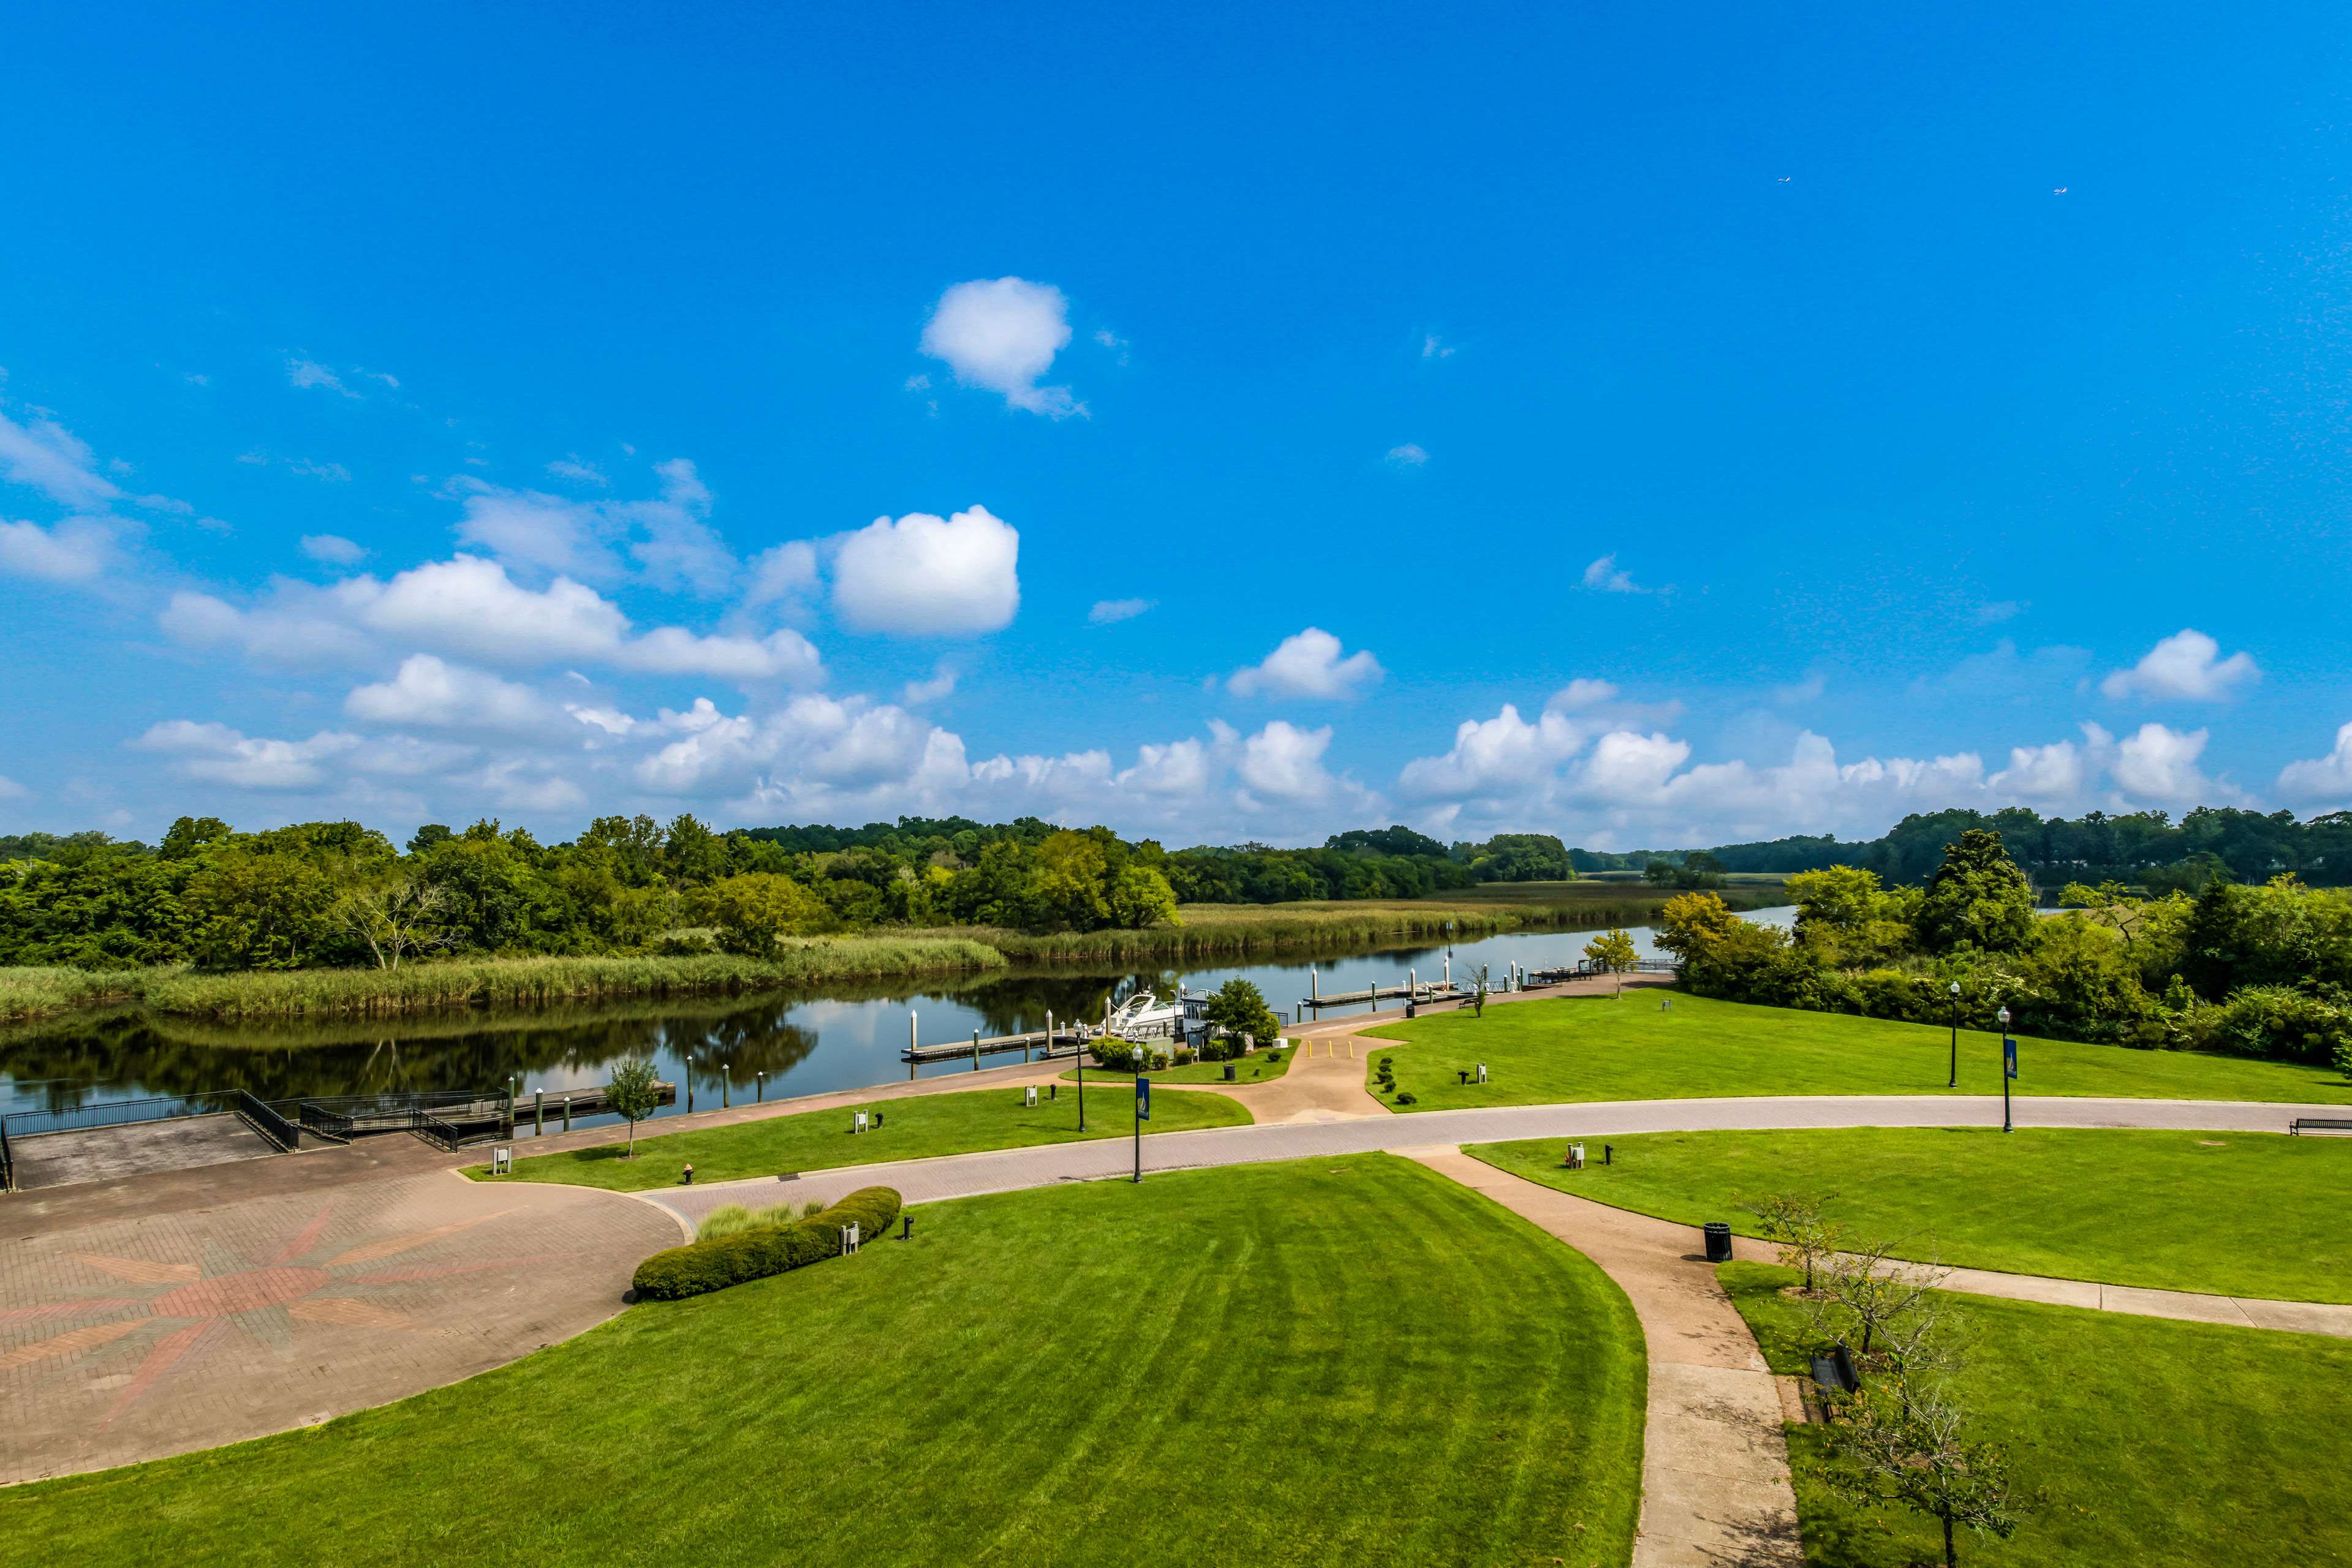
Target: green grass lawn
pixel 2238 1213
pixel 1251 1068
pixel 1628 1048
pixel 914 1128
pixel 2156 1444
pixel 1340 1360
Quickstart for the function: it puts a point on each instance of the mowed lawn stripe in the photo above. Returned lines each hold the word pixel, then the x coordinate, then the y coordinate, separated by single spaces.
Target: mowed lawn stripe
pixel 1329 1360
pixel 919 1126
pixel 1633 1048
pixel 2234 1213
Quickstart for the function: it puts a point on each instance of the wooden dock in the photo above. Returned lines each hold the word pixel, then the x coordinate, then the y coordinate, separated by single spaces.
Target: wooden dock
pixel 1032 1045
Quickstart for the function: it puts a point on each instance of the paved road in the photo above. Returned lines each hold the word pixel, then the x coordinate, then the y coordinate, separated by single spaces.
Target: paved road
pixel 1005 1170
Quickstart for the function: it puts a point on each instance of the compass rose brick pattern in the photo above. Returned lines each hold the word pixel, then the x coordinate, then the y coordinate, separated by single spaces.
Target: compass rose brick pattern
pixel 139 1338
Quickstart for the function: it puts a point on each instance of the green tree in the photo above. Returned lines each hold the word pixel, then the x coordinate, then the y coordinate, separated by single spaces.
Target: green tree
pixel 633 1095
pixel 1906 1440
pixel 1239 1008
pixel 1614 951
pixel 755 911
pixel 1980 896
pixel 1692 924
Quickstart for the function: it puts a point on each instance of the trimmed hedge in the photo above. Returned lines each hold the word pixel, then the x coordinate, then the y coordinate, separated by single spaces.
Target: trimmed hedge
pixel 704 1266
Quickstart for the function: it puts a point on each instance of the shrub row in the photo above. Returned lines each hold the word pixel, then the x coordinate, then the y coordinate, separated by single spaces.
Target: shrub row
pixel 703 1266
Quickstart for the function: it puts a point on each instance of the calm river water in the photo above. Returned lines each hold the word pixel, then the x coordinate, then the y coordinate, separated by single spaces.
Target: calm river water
pixel 829 1038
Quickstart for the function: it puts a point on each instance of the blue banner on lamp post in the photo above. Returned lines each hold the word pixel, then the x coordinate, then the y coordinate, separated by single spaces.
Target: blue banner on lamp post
pixel 1142 1115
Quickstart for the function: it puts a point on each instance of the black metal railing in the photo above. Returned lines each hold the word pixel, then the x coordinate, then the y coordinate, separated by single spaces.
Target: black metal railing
pixel 263 1118
pixel 114 1113
pixel 7 1161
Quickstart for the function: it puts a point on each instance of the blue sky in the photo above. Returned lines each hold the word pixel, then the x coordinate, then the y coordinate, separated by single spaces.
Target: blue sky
pixel 1647 428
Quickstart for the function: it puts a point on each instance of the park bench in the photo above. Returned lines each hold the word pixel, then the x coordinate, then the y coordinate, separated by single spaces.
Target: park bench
pixel 1833 1371
pixel 2320 1125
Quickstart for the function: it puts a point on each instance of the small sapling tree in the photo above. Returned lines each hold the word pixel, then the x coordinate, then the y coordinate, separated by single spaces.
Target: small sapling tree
pixel 1906 1440
pixel 633 1096
pixel 1793 1222
pixel 1613 952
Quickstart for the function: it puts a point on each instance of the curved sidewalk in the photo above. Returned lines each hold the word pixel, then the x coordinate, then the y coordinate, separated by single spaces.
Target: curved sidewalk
pixel 1008 1170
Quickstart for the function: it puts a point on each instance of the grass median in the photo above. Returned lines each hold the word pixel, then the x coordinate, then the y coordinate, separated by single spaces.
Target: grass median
pixel 2237 1214
pixel 2153 1443
pixel 1632 1048
pixel 1335 1361
pixel 915 1127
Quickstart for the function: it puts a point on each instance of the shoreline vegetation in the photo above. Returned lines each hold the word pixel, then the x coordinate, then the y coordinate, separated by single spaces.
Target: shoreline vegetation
pixel 519 982
pixel 32 993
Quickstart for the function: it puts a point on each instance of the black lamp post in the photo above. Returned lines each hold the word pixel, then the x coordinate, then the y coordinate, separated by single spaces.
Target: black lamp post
pixel 2005 1048
pixel 1955 1083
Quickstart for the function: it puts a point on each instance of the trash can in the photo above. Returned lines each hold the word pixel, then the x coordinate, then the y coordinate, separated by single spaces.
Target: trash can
pixel 1718 1241
pixel 1228 1072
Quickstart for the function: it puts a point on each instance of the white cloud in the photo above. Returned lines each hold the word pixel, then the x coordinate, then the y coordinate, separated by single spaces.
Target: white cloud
pixel 2159 764
pixel 219 755
pixel 924 576
pixel 1002 334
pixel 1285 763
pixel 782 573
pixel 668 535
pixel 813 746
pixel 78 549
pixel 1180 769
pixel 1581 693
pixel 1996 611
pixel 1434 347
pixel 527 527
pixel 1604 576
pixel 2058 772
pixel 311 373
pixel 1106 612
pixel 941 682
pixel 10 790
pixel 1503 758
pixel 333 548
pixel 578 470
pixel 2326 780
pixel 1409 456
pixel 1113 342
pixel 334 473
pixel 2185 667
pixel 431 695
pixel 51 459
pixel 469 606
pixel 1307 665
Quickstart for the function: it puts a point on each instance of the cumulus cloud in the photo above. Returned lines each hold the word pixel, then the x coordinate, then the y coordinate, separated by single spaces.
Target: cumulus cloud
pixel 1108 612
pixel 333 548
pixel 2322 779
pixel 781 574
pixel 1307 665
pixel 1409 456
pixel 1500 759
pixel 1282 762
pixel 47 457
pixel 941 682
pixel 667 536
pixel 428 694
pixel 471 608
pixel 2059 772
pixel 219 755
pixel 2158 764
pixel 924 576
pixel 78 549
pixel 2185 667
pixel 1002 334
pixel 1604 576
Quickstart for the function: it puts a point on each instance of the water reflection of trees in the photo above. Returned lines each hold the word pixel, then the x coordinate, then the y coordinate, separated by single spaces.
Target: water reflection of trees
pixel 65 1063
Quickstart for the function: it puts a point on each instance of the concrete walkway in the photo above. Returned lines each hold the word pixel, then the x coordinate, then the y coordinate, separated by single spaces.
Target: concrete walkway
pixel 1008 1170
pixel 1714 1463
